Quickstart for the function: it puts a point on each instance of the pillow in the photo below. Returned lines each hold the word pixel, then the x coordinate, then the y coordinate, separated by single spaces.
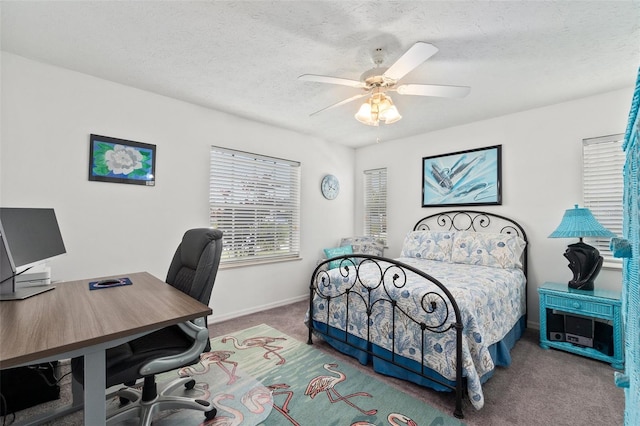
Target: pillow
pixel 487 249
pixel 430 245
pixel 337 251
pixel 364 245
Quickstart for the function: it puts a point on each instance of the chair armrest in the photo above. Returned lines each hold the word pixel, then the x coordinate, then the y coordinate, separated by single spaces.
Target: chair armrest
pixel 196 329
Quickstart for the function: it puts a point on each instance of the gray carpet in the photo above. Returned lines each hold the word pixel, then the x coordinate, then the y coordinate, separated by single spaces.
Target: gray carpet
pixel 539 388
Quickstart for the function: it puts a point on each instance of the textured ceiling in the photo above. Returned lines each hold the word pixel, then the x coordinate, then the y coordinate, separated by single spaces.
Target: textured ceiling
pixel 244 57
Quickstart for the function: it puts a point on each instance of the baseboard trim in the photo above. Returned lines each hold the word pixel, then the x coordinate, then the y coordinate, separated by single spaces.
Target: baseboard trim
pixel 219 318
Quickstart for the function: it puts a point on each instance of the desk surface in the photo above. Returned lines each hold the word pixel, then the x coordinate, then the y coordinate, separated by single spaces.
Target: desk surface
pixel 72 316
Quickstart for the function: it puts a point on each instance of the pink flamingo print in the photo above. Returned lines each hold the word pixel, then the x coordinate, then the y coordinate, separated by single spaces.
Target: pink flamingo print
pixel 277 389
pixel 236 420
pixel 391 418
pixel 327 384
pixel 256 399
pixel 259 342
pixel 204 388
pixel 215 357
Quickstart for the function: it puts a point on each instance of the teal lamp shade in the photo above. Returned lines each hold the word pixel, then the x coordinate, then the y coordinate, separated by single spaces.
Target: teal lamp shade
pixel 580 223
pixel 584 260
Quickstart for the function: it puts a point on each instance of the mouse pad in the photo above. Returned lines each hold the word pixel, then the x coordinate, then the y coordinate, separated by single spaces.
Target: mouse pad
pixel 95 285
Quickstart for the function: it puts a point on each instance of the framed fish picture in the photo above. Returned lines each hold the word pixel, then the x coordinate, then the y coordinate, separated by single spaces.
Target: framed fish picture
pixel 464 178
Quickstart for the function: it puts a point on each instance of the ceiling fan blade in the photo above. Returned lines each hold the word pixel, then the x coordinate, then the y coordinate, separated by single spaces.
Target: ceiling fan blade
pixel 417 54
pixel 331 80
pixel 433 90
pixel 346 101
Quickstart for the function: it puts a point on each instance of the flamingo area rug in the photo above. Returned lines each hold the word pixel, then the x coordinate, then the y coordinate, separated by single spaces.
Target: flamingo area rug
pixel 260 376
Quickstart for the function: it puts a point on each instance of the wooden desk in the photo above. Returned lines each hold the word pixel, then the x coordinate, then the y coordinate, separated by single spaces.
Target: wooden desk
pixel 72 320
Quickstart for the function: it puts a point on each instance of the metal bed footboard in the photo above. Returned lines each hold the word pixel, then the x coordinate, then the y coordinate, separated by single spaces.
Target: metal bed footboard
pixel 440 305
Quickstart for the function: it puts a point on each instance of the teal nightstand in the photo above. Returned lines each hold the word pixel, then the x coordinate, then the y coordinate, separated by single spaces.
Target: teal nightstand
pixel 587 323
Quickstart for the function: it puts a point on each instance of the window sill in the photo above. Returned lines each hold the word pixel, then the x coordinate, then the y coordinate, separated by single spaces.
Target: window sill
pixel 242 264
pixel 612 265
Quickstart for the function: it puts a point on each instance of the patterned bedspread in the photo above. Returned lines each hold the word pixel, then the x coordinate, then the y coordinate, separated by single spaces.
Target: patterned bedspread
pixel 491 301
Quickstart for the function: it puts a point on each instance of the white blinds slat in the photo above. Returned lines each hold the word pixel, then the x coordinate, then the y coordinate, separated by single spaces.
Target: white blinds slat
pixel 255 201
pixel 602 185
pixel 375 203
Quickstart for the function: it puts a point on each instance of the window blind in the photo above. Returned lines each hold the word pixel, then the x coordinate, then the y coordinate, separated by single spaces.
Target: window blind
pixel 255 201
pixel 375 203
pixel 603 162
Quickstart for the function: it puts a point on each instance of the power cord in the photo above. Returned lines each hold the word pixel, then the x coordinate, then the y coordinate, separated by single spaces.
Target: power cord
pixel 3 403
pixel 40 369
pixel 15 275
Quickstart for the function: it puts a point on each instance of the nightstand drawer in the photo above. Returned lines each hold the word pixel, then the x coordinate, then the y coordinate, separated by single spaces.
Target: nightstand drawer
pixel 603 310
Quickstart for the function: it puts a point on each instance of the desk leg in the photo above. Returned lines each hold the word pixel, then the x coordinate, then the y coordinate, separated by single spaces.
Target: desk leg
pixel 77 393
pixel 95 388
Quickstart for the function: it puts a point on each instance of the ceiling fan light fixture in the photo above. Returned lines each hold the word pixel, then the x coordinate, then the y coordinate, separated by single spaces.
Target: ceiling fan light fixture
pixel 365 114
pixel 378 107
pixel 379 80
pixel 391 115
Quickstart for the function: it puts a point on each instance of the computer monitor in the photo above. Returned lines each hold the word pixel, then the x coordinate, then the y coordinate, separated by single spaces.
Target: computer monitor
pixel 28 236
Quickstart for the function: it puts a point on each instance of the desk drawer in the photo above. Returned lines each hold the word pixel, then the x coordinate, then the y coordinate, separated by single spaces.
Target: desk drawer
pixel 602 310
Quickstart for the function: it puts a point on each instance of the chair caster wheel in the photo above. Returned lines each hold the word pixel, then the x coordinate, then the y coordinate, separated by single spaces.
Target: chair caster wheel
pixel 210 415
pixel 190 384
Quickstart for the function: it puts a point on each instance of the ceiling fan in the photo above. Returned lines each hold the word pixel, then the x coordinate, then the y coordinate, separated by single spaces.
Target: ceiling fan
pixel 377 81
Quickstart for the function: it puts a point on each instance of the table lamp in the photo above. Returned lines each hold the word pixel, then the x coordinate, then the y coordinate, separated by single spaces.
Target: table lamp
pixel 584 260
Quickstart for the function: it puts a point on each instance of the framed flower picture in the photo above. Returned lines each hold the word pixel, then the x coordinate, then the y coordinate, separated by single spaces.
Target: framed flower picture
pixel 463 178
pixel 121 161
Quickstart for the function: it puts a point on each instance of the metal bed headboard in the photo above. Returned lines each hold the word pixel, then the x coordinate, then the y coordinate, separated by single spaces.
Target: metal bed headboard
pixel 474 221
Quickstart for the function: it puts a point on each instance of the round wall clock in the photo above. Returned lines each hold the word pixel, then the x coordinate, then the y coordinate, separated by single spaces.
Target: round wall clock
pixel 330 187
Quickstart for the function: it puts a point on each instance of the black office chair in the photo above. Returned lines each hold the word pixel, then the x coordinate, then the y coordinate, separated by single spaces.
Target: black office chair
pixel 193 271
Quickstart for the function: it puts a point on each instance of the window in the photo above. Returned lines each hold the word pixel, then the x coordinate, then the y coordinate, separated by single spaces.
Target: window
pixel 255 201
pixel 375 204
pixel 602 187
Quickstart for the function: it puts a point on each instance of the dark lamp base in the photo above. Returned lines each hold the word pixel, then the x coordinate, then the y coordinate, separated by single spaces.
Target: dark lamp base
pixel 585 262
pixel 581 286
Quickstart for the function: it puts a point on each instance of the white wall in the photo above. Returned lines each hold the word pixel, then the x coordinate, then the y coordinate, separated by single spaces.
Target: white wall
pixel 541 175
pixel 47 116
pixel 48 113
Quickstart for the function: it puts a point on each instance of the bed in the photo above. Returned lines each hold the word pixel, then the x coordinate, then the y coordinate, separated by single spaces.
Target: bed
pixel 442 315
